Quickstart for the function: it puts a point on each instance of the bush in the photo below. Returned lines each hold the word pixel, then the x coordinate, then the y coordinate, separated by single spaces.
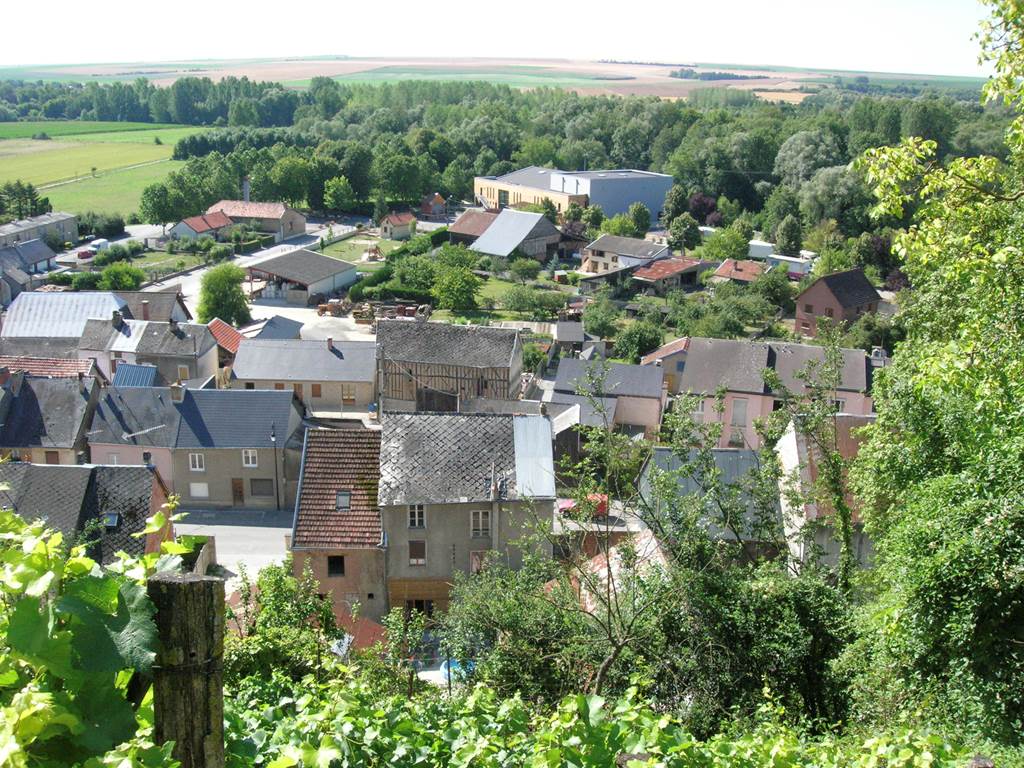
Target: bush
pixel 85 281
pixel 100 224
pixel 359 292
pixel 135 248
pixel 61 278
pixel 121 277
pixel 221 252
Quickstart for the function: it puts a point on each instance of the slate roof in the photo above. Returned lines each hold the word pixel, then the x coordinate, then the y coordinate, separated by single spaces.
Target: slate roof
pixel 741 270
pixel 567 331
pixel 57 315
pixel 627 246
pixel 305 360
pixel 135 375
pixel 205 418
pixel 619 379
pixel 473 346
pixel 338 460
pixel 226 336
pixel 510 229
pixel 207 222
pixel 789 359
pixel 33 346
pixel 243 209
pixel 453 458
pixel 68 498
pixel 46 413
pixel 148 338
pixel 659 270
pixel 26 254
pixel 593 411
pixel 303 266
pixel 851 288
pixel 278 327
pixel 56 367
pixel 162 304
pixel 21 225
pixel 472 223
pixel 676 345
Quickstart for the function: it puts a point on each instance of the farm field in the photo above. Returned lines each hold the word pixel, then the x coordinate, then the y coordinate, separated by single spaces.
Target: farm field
pixel 55 128
pixel 517 77
pixel 115 191
pixel 63 160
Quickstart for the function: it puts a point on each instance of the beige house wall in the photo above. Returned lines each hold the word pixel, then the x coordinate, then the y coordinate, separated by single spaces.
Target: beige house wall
pixel 488 190
pixel 363 582
pixel 639 411
pixel 224 465
pixel 330 393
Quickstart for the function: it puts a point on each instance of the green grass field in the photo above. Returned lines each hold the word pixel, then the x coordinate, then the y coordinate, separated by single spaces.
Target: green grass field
pixel 352 252
pixel 55 128
pixel 518 77
pixel 62 160
pixel 151 260
pixel 168 135
pixel 116 191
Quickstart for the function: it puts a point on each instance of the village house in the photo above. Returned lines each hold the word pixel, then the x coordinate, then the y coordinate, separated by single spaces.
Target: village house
pixel 103 507
pixel 514 233
pixel 470 226
pixel 398 226
pixel 64 226
pixel 301 275
pixel 738 271
pixel 180 351
pixel 841 298
pixel 275 327
pixel 666 275
pixel 331 378
pixel 435 366
pixel 228 340
pixel 809 527
pixel 613 190
pixel 433 207
pixel 45 420
pixel 215 448
pixel 610 253
pixel 737 369
pixel 213 225
pixel 629 398
pixel 275 219
pixel 23 266
pixel 672 359
pixel 456 489
pixel 337 530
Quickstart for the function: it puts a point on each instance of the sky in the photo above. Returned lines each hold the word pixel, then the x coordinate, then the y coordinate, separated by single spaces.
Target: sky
pixel 916 36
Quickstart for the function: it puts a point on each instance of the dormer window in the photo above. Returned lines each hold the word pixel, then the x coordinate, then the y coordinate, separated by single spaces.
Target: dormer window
pixel 343 501
pixel 111 519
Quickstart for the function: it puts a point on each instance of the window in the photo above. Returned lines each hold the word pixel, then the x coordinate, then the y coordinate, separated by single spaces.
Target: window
pixel 805 325
pixel 111 519
pixel 480 522
pixel 828 312
pixel 113 458
pixel 680 365
pixel 335 565
pixel 420 606
pixel 736 438
pixel 348 393
pixel 261 487
pixel 809 308
pixel 315 390
pixel 739 412
pixel 250 457
pixel 51 457
pixel 477 560
pixel 147 457
pixel 343 501
pixel 183 373
pixel 417 553
pixel 840 406
pixel 199 490
pixel 417 516
pixel 250 385
pixel 698 410
pixel 197 462
pixel 297 389
pixel 278 385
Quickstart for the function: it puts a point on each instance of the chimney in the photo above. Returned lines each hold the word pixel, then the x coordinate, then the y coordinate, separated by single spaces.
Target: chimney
pixel 5 376
pixel 117 320
pixel 17 379
pixel 330 344
pixel 177 392
pixel 81 383
pixel 245 188
pixel 145 309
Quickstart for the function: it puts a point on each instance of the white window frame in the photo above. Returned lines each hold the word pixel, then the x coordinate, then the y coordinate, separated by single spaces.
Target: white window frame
pixel 113 459
pixel 348 393
pixel 197 462
pixel 477 530
pixel 253 454
pixel 417 517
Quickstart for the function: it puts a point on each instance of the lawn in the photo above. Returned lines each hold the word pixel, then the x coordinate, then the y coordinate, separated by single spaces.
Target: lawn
pixel 62 160
pixel 352 248
pixel 54 128
pixel 151 260
pixel 116 191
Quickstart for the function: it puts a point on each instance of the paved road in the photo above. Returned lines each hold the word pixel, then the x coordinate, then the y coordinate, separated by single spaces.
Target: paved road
pixel 252 539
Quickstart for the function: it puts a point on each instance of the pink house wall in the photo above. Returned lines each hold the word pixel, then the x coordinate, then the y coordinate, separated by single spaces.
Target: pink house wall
pixel 132 454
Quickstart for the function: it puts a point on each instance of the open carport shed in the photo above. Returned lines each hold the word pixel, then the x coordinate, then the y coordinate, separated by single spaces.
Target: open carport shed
pixel 297 275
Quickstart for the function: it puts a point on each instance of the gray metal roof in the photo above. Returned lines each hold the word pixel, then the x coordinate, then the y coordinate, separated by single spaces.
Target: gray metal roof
pixel 456 458
pixel 61 315
pixel 26 254
pixel 473 346
pixel 135 375
pixel 593 411
pixel 628 246
pixel 608 379
pixel 303 266
pixel 510 229
pixel 571 332
pixel 531 176
pixel 305 360
pixel 45 413
pixel 14 227
pixel 278 327
pixel 205 418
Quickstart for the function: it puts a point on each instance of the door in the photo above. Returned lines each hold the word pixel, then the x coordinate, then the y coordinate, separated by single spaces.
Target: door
pixel 237 491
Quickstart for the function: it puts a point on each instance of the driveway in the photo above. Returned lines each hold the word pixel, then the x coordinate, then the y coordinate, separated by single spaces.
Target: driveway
pixel 253 539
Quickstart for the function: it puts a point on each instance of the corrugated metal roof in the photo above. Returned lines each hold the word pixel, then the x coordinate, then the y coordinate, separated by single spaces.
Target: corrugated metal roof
pixel 134 375
pixel 535 476
pixel 508 231
pixel 57 315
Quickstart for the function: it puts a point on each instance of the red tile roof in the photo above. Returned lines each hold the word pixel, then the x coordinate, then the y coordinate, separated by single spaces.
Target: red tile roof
pixel 659 270
pixel 240 209
pixel 225 335
pixel 740 270
pixel 46 366
pixel 677 345
pixel 473 223
pixel 398 219
pixel 339 460
pixel 207 222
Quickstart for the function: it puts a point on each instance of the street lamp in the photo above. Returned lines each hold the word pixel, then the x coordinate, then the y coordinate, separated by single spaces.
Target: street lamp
pixel 277 477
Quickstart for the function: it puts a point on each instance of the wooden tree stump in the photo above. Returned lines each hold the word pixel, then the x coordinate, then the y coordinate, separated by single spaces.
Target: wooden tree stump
pixel 188 674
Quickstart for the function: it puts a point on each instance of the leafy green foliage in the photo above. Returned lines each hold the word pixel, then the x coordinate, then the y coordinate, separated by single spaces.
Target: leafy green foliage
pixel 601 316
pixel 456 288
pixel 637 340
pixel 524 269
pixel 121 277
pixel 221 295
